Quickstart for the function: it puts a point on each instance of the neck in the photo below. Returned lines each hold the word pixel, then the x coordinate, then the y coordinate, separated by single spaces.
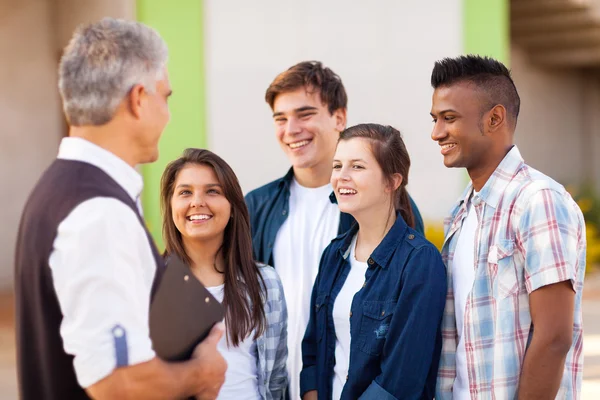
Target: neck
pixel 205 256
pixel 481 174
pixel 314 177
pixel 374 224
pixel 109 137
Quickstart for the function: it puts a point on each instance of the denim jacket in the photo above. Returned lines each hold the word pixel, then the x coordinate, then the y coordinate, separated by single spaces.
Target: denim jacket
pixel 395 319
pixel 269 207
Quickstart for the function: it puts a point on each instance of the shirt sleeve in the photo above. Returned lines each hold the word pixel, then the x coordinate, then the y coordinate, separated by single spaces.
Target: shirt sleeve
pixel 279 377
pixel 102 269
pixel 550 233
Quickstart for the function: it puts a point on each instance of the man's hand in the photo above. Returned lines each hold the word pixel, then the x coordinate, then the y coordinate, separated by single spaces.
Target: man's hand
pixel 212 365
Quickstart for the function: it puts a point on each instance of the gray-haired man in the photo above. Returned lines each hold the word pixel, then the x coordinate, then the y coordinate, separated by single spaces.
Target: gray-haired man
pixel 85 263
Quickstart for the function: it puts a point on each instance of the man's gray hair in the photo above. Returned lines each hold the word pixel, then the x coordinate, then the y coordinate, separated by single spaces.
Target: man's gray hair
pixel 101 64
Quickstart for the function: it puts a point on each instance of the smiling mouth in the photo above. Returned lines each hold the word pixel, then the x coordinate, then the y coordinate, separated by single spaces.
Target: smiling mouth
pixel 447 148
pixel 298 145
pixel 347 192
pixel 199 217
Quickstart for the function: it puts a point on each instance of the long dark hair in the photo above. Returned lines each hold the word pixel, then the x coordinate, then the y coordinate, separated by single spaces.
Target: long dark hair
pixel 390 152
pixel 242 299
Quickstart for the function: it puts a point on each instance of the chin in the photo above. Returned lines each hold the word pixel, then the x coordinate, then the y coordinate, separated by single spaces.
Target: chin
pixel 346 208
pixel 150 158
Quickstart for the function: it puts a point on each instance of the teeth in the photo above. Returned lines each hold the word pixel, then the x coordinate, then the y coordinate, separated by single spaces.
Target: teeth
pixel 347 191
pixel 448 146
pixel 299 144
pixel 199 217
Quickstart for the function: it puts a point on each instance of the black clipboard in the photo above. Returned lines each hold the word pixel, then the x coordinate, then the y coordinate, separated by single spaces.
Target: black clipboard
pixel 182 312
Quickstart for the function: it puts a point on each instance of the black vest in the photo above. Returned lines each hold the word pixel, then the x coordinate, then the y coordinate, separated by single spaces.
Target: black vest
pixel 45 371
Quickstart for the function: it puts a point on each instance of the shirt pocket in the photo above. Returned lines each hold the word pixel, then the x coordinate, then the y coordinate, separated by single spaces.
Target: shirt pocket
pixel 502 265
pixel 321 315
pixel 374 326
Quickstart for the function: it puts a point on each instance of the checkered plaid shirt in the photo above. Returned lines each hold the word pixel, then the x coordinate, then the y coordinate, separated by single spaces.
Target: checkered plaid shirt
pixel 530 233
pixel 272 344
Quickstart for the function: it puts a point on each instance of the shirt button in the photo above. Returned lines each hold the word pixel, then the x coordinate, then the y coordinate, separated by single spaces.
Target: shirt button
pixel 364 284
pixel 118 332
pixel 284 212
pixel 371 261
pixel 346 377
pixel 382 313
pixel 411 236
pixel 350 313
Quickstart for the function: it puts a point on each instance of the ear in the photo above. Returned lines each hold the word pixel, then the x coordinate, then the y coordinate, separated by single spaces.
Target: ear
pixel 496 118
pixel 136 99
pixel 395 182
pixel 340 119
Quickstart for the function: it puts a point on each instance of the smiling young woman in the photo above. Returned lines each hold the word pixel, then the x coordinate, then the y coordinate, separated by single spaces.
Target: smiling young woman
pixel 206 224
pixel 380 293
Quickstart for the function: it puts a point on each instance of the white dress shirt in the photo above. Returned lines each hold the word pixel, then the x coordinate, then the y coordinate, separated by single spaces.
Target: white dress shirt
pixel 102 269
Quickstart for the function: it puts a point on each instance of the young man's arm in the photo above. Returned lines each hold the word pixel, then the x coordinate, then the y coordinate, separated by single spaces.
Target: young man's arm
pixel 155 379
pixel 551 310
pixel 550 229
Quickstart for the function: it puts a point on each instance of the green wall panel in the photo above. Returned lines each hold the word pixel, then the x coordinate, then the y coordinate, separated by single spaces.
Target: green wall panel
pixel 180 23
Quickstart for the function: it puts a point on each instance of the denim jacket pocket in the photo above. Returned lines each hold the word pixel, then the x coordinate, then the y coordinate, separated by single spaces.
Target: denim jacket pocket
pixel 501 263
pixel 321 315
pixel 374 325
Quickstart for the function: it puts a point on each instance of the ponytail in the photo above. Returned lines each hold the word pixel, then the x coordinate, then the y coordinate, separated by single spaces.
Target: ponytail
pixel 403 206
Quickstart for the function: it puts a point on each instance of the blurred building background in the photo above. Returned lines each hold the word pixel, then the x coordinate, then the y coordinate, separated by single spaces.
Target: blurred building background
pixel 224 54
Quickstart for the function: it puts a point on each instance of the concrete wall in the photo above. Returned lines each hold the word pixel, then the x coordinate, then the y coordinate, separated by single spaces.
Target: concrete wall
pixel 71 13
pixel 30 113
pixel 558 129
pixel 32 34
pixel 384 53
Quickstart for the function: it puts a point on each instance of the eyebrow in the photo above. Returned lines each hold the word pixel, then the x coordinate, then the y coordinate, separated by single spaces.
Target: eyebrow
pixel 444 112
pixel 353 160
pixel 297 110
pixel 187 185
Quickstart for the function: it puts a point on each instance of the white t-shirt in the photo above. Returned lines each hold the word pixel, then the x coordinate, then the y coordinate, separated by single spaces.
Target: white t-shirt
pixel 241 378
pixel 102 270
pixel 463 277
pixel 312 223
pixel 341 319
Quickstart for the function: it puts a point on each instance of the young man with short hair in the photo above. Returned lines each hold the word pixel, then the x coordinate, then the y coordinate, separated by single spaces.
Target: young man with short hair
pixel 514 250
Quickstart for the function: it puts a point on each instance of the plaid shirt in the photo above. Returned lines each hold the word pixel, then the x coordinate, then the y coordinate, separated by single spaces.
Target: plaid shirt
pixel 530 233
pixel 272 345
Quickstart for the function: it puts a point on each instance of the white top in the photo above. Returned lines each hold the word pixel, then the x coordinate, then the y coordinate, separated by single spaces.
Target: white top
pixel 463 277
pixel 103 269
pixel 312 223
pixel 341 319
pixel 241 378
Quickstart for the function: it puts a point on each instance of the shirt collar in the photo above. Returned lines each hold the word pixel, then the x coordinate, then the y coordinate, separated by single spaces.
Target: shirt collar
pixel 493 189
pixel 78 149
pixel 385 250
pixel 286 181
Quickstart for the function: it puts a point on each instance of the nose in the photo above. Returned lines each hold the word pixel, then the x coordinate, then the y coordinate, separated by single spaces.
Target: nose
pixel 293 126
pixel 197 201
pixel 438 132
pixel 344 174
